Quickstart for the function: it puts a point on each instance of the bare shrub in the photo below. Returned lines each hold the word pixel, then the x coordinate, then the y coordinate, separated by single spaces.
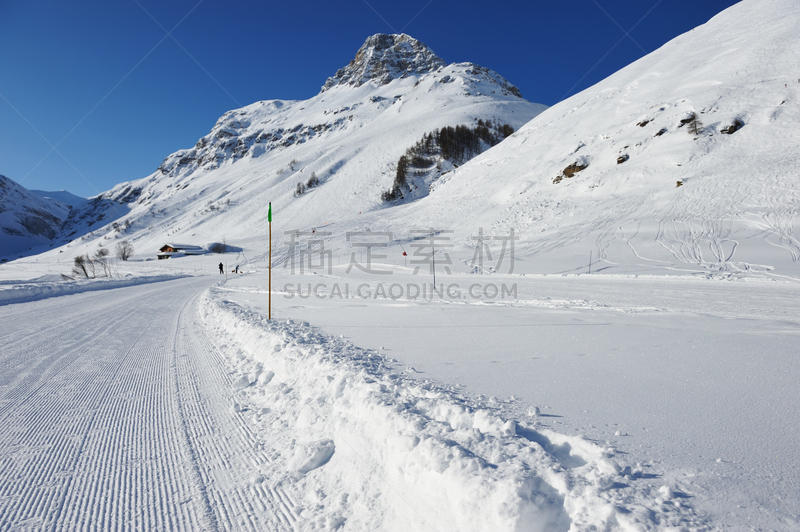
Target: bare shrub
pixel 80 268
pixel 124 250
pixel 101 258
pixel 695 125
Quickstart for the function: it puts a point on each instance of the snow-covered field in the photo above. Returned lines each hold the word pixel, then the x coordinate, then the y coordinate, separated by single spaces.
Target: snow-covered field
pixel 619 402
pixel 692 381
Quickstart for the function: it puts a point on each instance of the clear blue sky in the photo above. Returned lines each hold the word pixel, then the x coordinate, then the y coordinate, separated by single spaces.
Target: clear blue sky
pixel 106 85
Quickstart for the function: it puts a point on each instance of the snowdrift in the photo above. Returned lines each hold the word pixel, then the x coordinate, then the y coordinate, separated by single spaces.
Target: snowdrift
pixel 377 450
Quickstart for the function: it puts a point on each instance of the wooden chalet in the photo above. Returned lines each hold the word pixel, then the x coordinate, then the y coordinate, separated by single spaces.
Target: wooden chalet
pixel 179 250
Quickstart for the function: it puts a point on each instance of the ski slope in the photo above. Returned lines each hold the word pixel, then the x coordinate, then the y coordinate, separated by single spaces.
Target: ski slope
pixel 116 412
pixel 651 196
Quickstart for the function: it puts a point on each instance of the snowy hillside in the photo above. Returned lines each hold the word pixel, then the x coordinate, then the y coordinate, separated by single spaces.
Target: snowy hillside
pixel 349 137
pixel 28 221
pixel 685 160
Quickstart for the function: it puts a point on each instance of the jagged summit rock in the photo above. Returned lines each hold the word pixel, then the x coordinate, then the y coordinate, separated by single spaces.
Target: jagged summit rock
pixel 383 58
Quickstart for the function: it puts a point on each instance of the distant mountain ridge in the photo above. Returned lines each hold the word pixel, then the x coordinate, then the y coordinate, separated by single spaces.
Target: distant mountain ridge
pixel 27 220
pixel 684 161
pixel 65 197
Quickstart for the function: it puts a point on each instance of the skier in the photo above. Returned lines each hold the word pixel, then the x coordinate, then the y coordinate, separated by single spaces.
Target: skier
pixel 221 268
pixel 237 269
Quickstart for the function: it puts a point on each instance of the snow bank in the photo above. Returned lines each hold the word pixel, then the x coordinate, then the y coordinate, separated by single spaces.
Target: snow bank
pixel 33 291
pixel 370 448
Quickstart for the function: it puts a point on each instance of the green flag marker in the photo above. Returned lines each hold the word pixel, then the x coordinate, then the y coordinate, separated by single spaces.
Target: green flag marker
pixel 269 214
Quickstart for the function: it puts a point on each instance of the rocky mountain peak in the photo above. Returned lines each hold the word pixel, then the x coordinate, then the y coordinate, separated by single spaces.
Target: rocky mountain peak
pixel 383 58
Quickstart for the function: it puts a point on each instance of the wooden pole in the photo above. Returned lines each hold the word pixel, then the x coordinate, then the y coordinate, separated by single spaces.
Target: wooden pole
pixel 269 310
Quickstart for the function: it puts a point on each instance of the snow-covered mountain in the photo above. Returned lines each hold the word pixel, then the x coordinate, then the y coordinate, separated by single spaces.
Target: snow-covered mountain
pixel 348 138
pixel 683 161
pixel 28 221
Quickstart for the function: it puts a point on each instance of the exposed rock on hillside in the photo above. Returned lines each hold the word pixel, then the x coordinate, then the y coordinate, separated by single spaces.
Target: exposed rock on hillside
pixel 383 58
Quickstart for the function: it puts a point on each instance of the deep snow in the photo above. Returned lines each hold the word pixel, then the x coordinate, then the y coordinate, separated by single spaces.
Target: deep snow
pixel 693 380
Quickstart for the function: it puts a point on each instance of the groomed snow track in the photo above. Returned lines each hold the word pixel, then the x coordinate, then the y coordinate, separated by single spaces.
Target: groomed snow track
pixel 167 407
pixel 116 413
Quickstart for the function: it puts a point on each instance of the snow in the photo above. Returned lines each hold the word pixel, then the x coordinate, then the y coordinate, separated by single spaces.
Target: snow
pixel 636 403
pixel 412 454
pixel 673 373
pixel 108 422
pixel 349 137
pixel 47 286
pixel 657 392
pixel 738 201
pixel 63 196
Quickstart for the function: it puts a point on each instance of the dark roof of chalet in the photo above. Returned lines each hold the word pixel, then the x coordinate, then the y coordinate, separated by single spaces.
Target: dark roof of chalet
pixel 183 246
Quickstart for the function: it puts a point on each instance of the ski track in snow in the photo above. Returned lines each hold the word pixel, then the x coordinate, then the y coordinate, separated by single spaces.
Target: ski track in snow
pixel 118 417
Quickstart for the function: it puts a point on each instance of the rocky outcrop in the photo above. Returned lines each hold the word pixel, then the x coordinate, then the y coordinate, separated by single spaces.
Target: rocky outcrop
pixel 494 78
pixel 383 58
pixel 215 148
